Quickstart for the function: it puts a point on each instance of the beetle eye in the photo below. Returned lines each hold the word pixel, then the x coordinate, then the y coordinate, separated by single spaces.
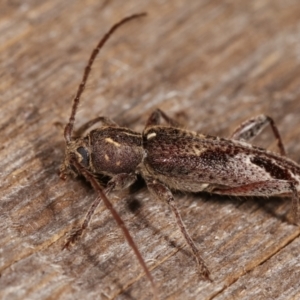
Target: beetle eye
pixel 84 155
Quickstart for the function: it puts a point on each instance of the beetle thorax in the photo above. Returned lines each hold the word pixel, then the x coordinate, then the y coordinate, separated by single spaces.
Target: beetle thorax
pixel 115 150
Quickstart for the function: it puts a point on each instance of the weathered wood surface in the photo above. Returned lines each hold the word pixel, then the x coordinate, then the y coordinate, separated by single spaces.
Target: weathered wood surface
pixel 213 64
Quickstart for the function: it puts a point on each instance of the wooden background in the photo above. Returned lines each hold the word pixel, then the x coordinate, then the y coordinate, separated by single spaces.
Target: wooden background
pixel 212 64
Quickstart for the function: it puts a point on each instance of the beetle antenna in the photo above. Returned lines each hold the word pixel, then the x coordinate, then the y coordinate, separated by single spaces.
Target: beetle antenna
pixel 90 177
pixel 69 127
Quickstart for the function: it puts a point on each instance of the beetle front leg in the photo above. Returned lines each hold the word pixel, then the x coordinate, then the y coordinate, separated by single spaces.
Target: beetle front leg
pixel 267 189
pixel 155 117
pixel 253 127
pixel 160 191
pixel 118 182
pixel 104 120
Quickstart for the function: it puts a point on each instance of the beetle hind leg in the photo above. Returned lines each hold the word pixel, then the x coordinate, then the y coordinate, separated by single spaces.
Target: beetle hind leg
pixel 267 188
pixel 253 127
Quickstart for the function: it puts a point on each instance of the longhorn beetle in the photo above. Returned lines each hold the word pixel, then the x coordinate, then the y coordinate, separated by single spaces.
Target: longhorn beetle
pixel 171 158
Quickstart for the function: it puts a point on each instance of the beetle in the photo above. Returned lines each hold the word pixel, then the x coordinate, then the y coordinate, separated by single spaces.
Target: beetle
pixel 168 158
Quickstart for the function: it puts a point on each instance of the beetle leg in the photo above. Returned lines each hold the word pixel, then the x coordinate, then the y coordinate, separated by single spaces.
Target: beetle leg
pixel 104 120
pixel 266 188
pixel 118 182
pixel 253 127
pixel 160 191
pixel 155 117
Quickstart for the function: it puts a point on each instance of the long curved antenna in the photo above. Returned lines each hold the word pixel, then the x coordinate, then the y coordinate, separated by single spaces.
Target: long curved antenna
pixel 69 127
pixel 119 221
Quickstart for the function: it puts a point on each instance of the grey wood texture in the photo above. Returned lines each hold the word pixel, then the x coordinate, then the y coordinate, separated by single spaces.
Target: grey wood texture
pixel 211 65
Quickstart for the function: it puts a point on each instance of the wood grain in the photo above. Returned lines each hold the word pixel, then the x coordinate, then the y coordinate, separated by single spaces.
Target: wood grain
pixel 212 65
